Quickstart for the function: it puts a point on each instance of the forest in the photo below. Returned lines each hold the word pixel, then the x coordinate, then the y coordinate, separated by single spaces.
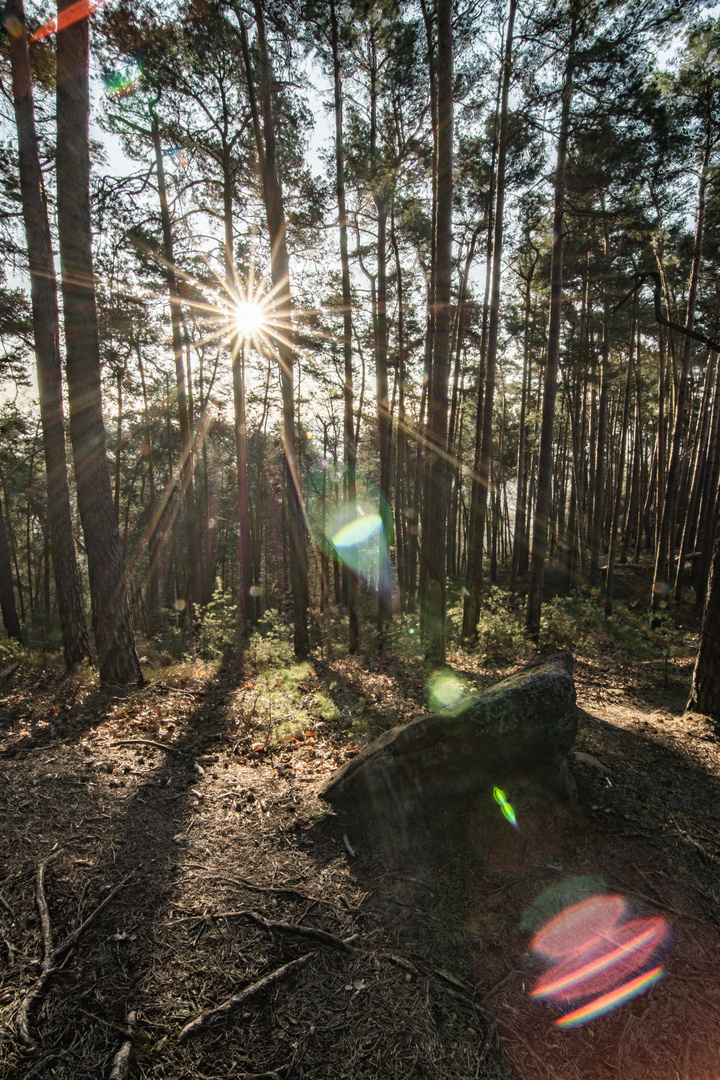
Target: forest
pixel 367 310
pixel 354 353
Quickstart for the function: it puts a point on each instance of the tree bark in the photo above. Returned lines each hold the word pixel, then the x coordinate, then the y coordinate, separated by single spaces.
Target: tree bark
pixel 114 639
pixel 280 273
pixel 7 591
pixel 544 476
pixel 436 495
pixel 705 693
pixel 478 511
pixel 76 646
pixel 666 539
pixel 186 436
pixel 349 448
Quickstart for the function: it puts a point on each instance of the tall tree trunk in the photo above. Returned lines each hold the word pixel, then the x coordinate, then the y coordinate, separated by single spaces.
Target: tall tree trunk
pixel 436 497
pixel 544 475
pixel 519 546
pixel 705 693
pixel 383 415
pixel 666 539
pixel 699 468
pixel 401 439
pixel 478 511
pixel 7 592
pixel 114 638
pixel 118 447
pixel 186 435
pixel 280 273
pixel 349 447
pixel 706 521
pixel 150 538
pixel 244 580
pixel 76 646
pixel 619 479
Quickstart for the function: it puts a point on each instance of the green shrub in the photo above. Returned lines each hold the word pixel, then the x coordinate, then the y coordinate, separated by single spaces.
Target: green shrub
pixel 218 634
pixel 501 630
pixel 269 643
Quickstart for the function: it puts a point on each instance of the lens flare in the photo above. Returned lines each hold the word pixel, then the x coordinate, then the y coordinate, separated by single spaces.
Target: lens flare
pixel 599 956
pixel 446 691
pixel 358 530
pixel 67 17
pixel 13 26
pixel 610 1001
pixel 119 83
pixel 499 796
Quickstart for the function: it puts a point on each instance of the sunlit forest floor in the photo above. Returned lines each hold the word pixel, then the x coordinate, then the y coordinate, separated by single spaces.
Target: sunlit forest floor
pixel 198 792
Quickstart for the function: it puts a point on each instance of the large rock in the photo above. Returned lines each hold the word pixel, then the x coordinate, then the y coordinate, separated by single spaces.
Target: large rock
pixel 518 731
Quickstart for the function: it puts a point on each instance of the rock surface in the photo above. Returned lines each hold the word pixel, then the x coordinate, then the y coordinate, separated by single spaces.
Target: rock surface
pixel 520 730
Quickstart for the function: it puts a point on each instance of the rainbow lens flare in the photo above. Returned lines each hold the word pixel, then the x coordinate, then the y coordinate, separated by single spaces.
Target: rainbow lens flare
pixel 356 536
pixel 599 955
pixel 499 796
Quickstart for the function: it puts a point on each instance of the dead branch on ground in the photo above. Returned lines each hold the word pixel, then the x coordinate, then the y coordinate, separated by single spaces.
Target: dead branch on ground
pixel 121 1061
pixel 149 742
pixel 214 1016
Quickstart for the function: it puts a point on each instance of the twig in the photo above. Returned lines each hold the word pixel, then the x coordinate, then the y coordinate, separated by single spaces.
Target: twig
pixel 658 903
pixel 9 670
pixel 214 1016
pixel 149 742
pixel 179 690
pixel 52 958
pixel 278 890
pixel 121 1061
pixel 39 1067
pixel 4 903
pixel 348 846
pixel 291 928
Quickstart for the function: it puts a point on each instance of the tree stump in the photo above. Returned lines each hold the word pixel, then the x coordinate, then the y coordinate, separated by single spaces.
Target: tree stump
pixel 518 731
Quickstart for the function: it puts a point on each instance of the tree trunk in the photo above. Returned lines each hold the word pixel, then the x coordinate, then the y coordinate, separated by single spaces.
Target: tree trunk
pixel 705 693
pixel 619 479
pixel 114 639
pixel 186 438
pixel 280 273
pixel 666 539
pixel 7 592
pixel 349 449
pixel 436 497
pixel 76 645
pixel 544 476
pixel 383 415
pixel 478 511
pixel 150 538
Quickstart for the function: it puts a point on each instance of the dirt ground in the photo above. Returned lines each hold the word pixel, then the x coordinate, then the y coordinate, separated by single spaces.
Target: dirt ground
pixel 230 869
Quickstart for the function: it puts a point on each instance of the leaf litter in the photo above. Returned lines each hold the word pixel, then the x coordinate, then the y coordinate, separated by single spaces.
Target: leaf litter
pixel 232 863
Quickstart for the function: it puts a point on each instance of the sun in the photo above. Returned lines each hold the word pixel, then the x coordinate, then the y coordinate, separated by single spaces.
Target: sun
pixel 249 318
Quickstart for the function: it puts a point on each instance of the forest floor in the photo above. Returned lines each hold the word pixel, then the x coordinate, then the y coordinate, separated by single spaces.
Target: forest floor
pixel 196 794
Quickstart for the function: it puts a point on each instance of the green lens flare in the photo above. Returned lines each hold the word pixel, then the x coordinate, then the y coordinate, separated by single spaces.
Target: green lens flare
pixel 499 796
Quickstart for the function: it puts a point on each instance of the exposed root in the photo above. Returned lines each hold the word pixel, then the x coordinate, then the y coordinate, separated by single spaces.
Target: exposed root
pixel 53 959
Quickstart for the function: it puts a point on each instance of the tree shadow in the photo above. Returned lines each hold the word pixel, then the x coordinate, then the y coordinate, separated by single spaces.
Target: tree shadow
pixel 108 812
